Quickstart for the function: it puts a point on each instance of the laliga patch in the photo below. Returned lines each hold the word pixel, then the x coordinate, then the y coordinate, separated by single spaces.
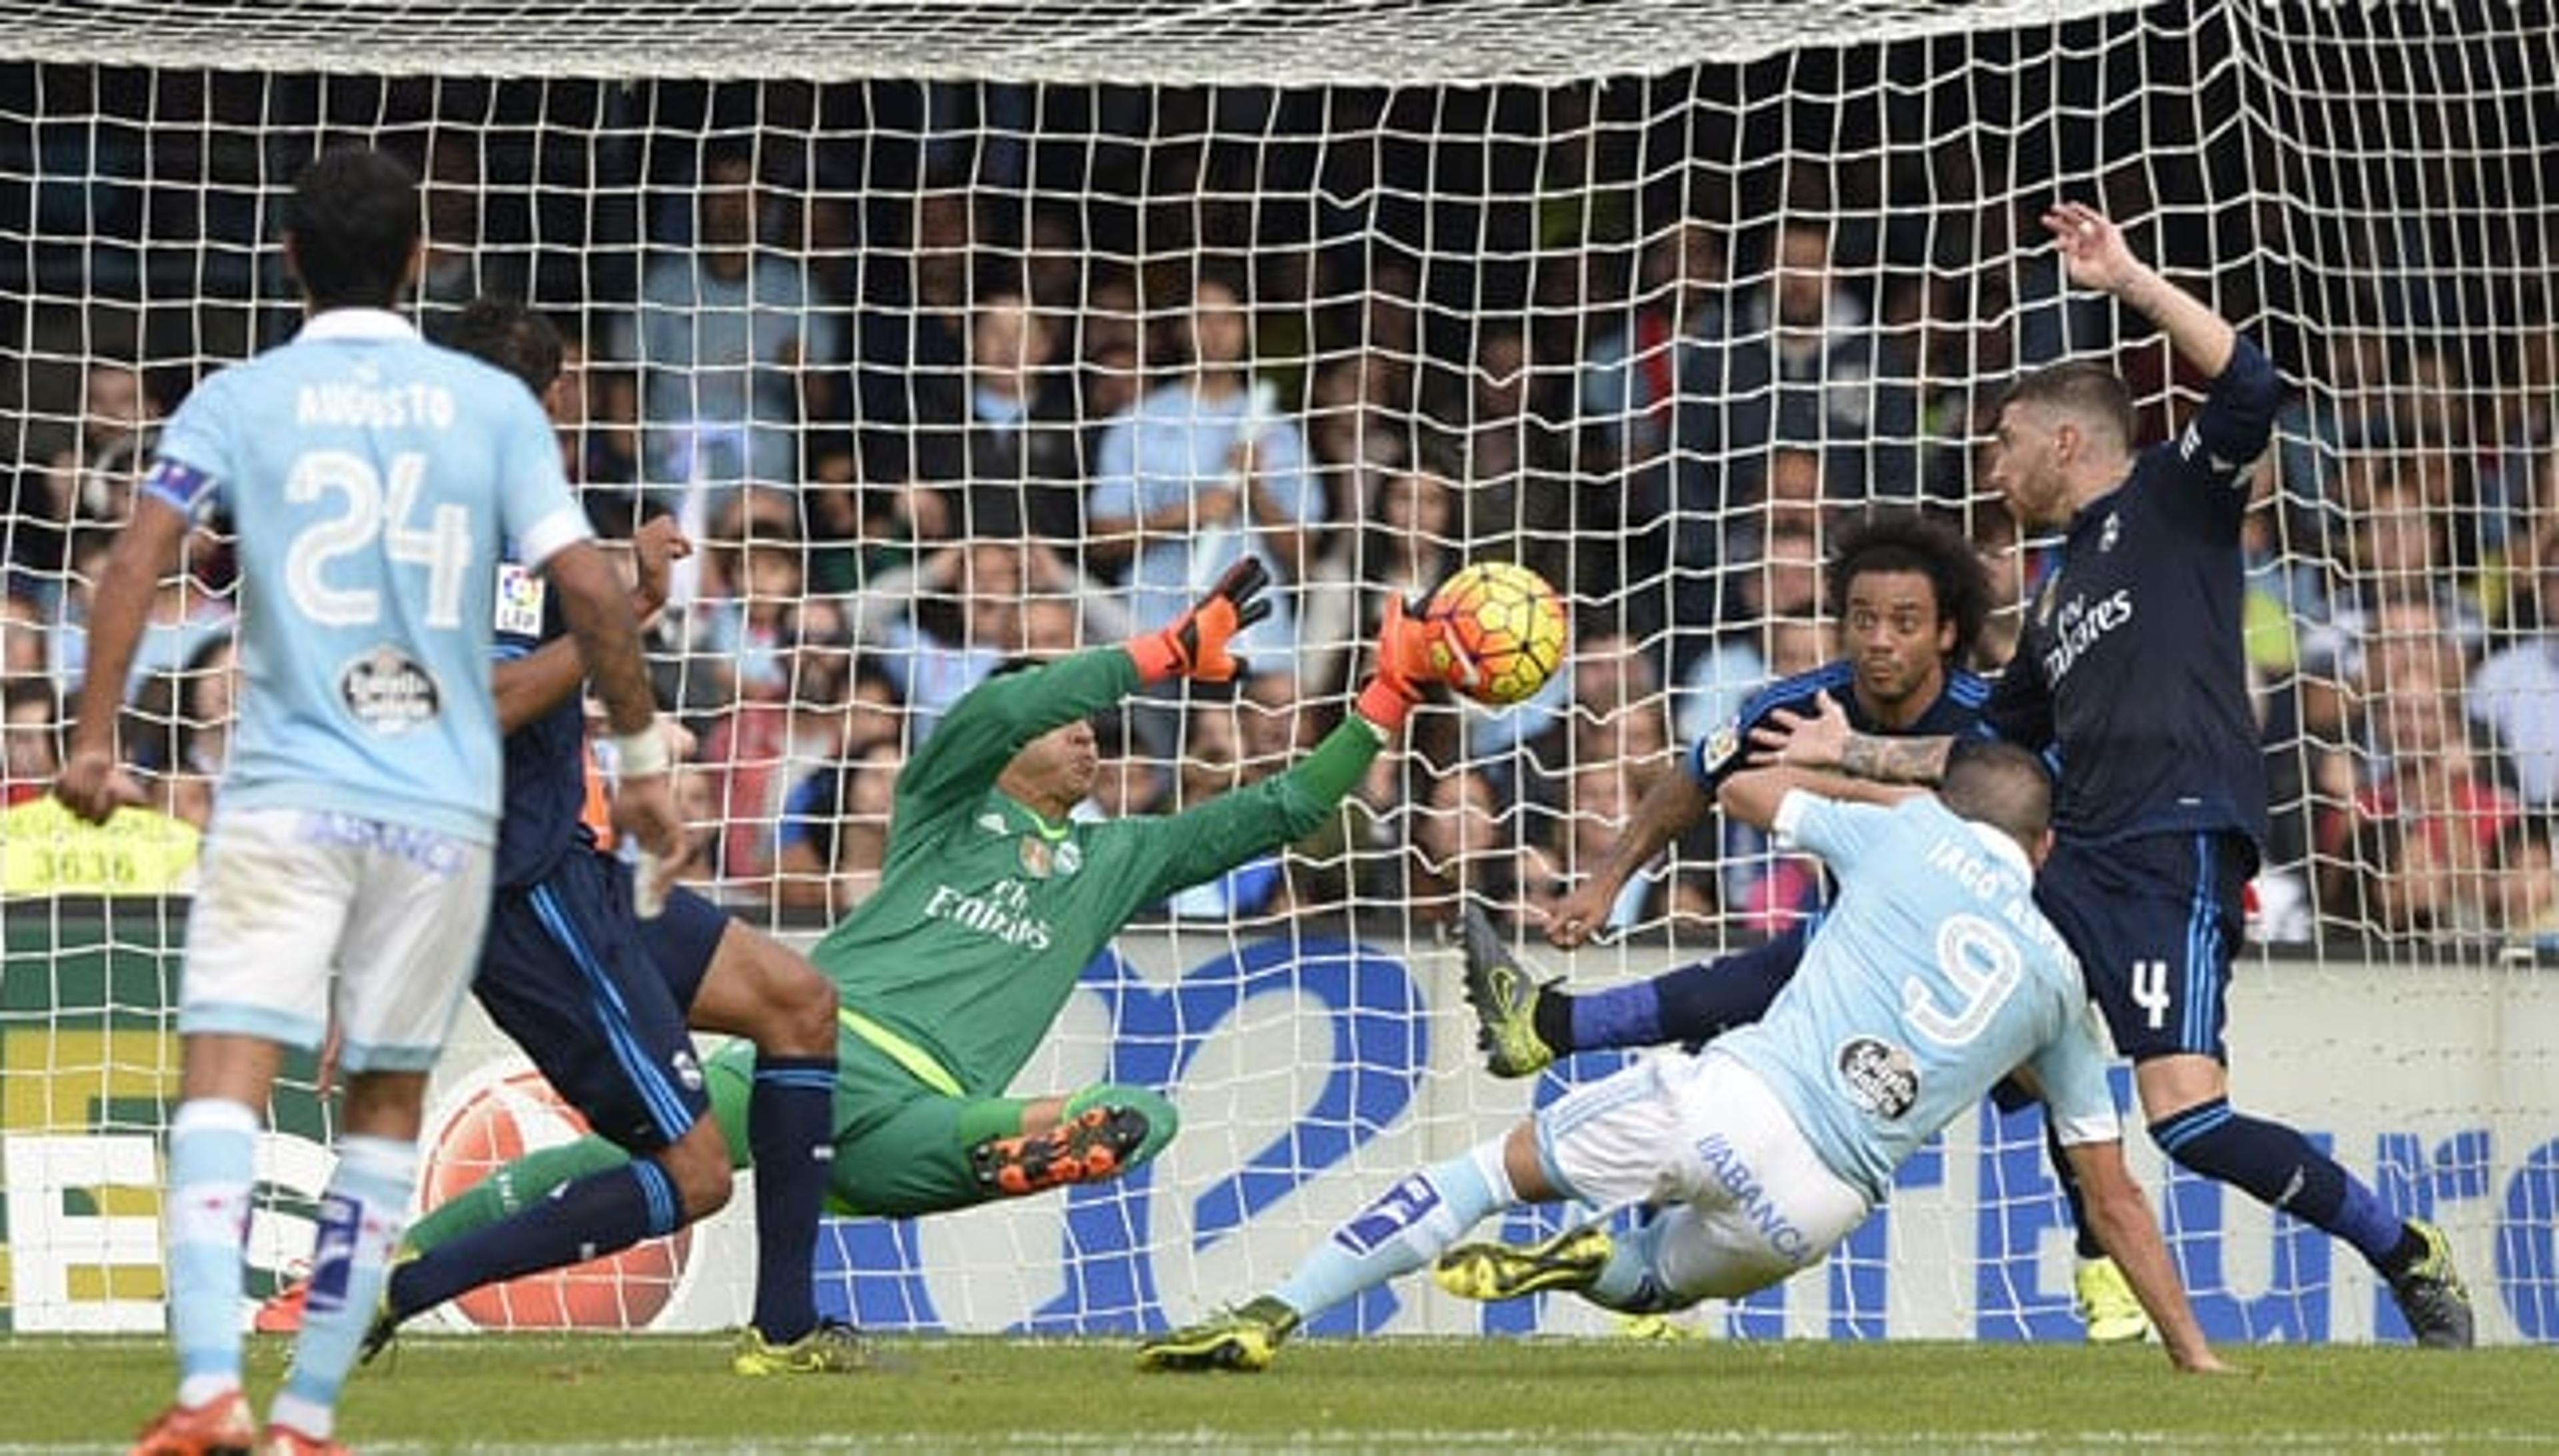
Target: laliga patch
pixel 1723 745
pixel 1880 1078
pixel 520 602
pixel 388 691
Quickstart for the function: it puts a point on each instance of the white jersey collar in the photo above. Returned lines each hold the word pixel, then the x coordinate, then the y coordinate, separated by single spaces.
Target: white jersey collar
pixel 357 322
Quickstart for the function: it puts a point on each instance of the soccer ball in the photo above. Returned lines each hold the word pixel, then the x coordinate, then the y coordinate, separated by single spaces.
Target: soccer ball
pixel 1506 618
pixel 497 1122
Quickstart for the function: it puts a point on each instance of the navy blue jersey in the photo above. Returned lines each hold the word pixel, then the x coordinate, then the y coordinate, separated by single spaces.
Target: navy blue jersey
pixel 2130 664
pixel 545 758
pixel 1957 713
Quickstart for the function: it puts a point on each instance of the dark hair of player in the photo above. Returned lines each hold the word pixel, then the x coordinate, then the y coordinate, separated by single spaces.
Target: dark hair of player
pixel 503 331
pixel 2000 785
pixel 2089 393
pixel 353 224
pixel 1911 540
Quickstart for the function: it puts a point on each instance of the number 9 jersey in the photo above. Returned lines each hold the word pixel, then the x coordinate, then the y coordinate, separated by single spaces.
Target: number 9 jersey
pixel 371 479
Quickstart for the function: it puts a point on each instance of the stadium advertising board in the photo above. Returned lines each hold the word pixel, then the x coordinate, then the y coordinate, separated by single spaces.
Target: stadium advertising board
pixel 1311 1073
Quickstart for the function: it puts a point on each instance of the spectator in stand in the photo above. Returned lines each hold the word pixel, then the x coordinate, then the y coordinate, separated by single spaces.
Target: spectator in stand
pixel 207 694
pixel 1462 837
pixel 834 830
pixel 1203 472
pixel 2424 774
pixel 911 333
pixel 746 624
pixel 456 268
pixel 1778 581
pixel 25 651
pixel 942 628
pixel 2526 908
pixel 116 405
pixel 1629 383
pixel 764 748
pixel 31 725
pixel 730 343
pixel 1614 684
pixel 52 495
pixel 1503 440
pixel 2397 548
pixel 996 451
pixel 2515 695
pixel 183 612
pixel 1213 762
pixel 1408 546
pixel 2515 479
pixel 1796 367
pixel 1601 803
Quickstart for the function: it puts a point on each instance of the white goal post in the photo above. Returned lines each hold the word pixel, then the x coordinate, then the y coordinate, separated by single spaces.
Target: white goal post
pixel 867 294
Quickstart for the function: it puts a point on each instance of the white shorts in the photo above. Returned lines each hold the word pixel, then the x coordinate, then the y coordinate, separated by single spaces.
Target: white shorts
pixel 1745 1200
pixel 289 896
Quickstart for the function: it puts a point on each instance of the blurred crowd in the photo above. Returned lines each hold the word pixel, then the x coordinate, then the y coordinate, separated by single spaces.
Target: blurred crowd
pixel 899 477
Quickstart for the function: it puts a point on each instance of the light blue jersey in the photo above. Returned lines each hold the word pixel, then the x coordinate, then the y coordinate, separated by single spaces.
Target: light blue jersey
pixel 372 479
pixel 1932 978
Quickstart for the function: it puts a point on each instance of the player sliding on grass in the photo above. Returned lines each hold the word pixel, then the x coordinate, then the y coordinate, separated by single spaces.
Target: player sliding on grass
pixel 990 904
pixel 1911 597
pixel 1932 978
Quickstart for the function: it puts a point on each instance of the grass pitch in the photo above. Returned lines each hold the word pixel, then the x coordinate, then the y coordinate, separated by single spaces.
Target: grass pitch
pixel 675 1394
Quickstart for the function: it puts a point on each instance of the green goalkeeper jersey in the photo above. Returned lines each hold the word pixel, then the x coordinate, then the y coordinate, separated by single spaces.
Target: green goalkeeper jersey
pixel 986 913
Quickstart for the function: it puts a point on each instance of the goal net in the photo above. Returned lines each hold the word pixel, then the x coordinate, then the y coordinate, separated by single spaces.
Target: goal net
pixel 950 332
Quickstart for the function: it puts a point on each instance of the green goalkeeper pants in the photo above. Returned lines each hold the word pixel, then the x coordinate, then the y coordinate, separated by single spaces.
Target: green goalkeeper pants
pixel 902 1147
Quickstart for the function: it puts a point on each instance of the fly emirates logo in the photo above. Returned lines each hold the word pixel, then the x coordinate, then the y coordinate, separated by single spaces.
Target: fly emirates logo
pixel 2080 625
pixel 1003 913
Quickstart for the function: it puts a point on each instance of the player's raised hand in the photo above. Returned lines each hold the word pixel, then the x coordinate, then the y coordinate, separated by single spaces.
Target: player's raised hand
pixel 94 786
pixel 1789 737
pixel 655 547
pixel 1414 655
pixel 2092 248
pixel 1195 645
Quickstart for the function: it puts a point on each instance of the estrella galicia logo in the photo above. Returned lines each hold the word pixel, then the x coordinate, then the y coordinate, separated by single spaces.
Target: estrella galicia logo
pixel 388 691
pixel 1880 1077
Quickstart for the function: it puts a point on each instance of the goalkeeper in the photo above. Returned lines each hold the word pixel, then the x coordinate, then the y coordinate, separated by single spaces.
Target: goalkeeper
pixel 990 904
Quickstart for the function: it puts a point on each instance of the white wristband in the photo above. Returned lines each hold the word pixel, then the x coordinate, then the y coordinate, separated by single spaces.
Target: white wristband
pixel 640 755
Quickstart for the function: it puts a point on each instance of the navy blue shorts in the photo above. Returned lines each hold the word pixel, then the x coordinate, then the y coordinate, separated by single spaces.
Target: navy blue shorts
pixel 599 1002
pixel 2155 922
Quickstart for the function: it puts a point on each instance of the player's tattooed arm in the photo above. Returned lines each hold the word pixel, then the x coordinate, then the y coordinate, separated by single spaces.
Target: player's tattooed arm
pixel 1895 760
pixel 1823 740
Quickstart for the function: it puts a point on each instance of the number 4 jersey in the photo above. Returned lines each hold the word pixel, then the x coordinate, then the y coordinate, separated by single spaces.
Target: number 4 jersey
pixel 371 479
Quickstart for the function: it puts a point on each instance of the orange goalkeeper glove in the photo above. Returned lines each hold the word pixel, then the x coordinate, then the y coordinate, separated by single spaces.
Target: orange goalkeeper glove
pixel 1195 645
pixel 1413 656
